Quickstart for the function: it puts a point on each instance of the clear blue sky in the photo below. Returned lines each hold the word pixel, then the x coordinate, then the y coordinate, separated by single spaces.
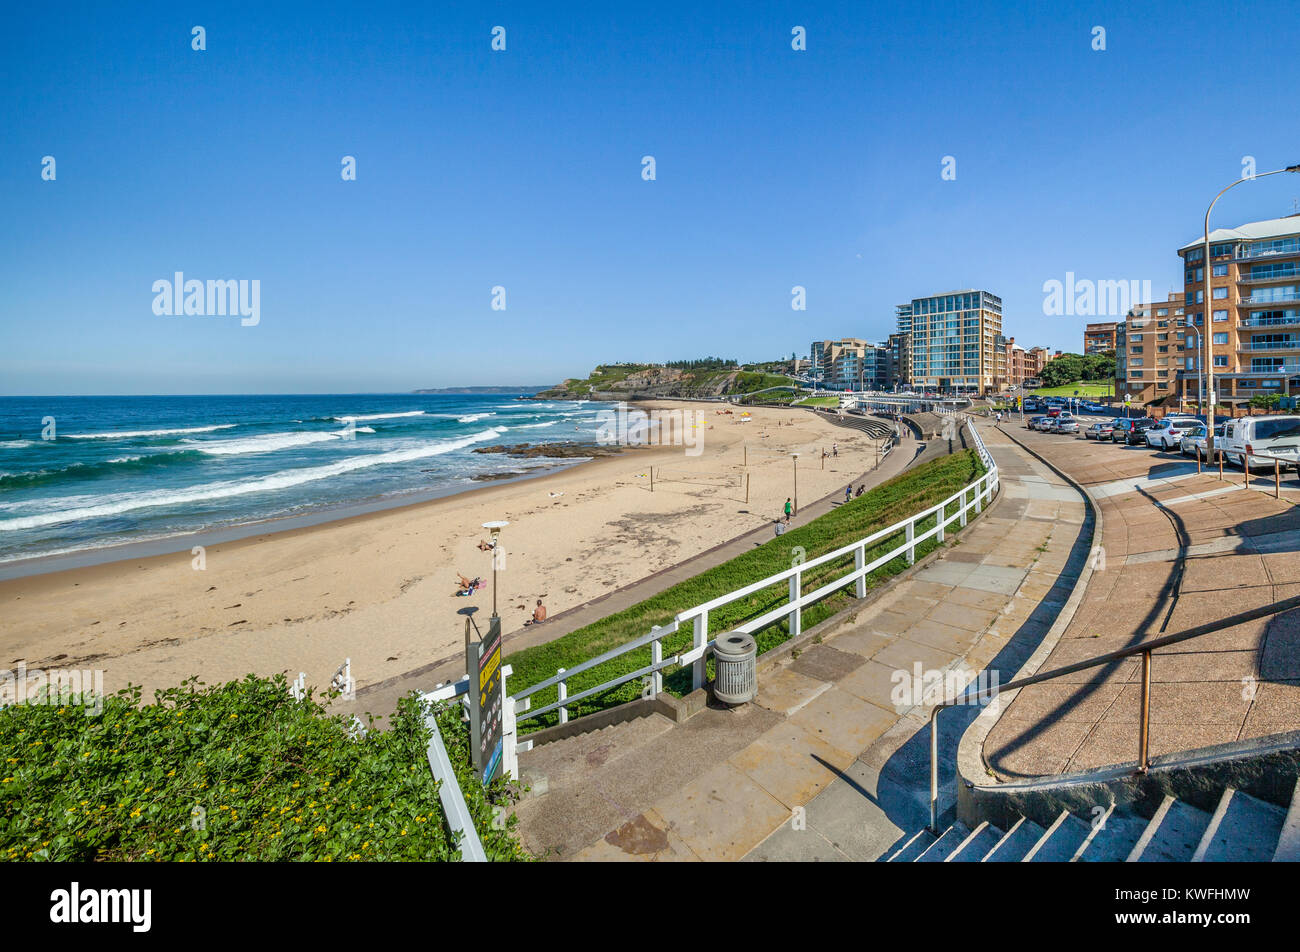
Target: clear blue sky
pixel 522 169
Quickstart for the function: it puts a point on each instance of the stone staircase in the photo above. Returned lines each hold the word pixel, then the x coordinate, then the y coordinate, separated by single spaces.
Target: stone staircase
pixel 874 428
pixel 1242 828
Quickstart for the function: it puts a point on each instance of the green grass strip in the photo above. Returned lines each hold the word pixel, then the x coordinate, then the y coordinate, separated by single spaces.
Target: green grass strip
pixel 891 502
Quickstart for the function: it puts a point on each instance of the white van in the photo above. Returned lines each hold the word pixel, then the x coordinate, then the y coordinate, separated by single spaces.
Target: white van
pixel 1262 439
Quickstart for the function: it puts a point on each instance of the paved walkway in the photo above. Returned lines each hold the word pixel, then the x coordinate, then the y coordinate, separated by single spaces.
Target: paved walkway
pixel 382 697
pixel 1177 550
pixel 831 762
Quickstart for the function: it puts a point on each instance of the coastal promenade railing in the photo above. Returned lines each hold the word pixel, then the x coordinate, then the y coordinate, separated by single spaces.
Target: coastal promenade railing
pixel 971 498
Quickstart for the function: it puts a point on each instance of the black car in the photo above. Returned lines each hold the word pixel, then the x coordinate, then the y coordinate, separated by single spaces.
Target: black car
pixel 1132 432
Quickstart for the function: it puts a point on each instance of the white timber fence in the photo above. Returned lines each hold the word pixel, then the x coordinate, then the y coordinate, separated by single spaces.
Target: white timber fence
pixel 971 499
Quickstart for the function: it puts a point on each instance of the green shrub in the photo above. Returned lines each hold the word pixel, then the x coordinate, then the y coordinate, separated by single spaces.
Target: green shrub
pixel 238 771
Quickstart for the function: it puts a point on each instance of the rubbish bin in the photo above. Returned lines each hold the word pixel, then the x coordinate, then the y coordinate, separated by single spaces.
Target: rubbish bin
pixel 735 658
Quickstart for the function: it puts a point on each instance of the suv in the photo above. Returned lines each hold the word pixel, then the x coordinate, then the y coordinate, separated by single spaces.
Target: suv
pixel 1168 433
pixel 1269 436
pixel 1130 431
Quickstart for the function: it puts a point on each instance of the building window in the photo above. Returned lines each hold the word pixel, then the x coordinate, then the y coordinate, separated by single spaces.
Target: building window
pixel 1220 270
pixel 1221 338
pixel 1220 360
pixel 1220 294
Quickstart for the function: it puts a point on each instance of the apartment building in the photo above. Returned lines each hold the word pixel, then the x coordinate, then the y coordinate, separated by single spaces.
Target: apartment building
pixel 1025 364
pixel 956 341
pixel 899 346
pixel 1151 347
pixel 849 363
pixel 903 320
pixel 1254 308
pixel 1100 338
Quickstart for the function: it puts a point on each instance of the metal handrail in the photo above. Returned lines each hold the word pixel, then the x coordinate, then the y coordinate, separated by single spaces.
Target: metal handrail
pixel 981 490
pixel 1144 724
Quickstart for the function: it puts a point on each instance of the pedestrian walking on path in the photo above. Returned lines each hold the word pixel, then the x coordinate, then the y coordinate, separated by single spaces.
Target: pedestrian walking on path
pixel 788 509
pixel 848 492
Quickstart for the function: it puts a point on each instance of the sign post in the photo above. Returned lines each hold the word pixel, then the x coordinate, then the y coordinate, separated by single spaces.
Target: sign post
pixel 483 662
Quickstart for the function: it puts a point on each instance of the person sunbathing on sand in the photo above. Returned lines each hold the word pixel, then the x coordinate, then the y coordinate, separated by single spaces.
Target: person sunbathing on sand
pixel 486 546
pixel 468 586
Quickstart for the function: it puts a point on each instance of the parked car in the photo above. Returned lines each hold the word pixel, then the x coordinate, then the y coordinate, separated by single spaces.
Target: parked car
pixel 1267 436
pixel 1031 423
pixel 1194 440
pixel 1090 406
pixel 1130 432
pixel 1065 422
pixel 1099 431
pixel 1168 433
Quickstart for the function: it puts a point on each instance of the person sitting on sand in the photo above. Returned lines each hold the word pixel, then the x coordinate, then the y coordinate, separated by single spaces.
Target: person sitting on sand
pixel 486 546
pixel 539 614
pixel 861 489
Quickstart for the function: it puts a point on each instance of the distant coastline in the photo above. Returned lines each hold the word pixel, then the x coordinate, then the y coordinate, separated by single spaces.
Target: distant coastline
pixel 471 390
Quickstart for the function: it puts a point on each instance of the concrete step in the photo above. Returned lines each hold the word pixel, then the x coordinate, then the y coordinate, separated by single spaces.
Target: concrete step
pixel 1059 841
pixel 976 846
pixel 571 761
pixel 947 843
pixel 1288 843
pixel 1241 829
pixel 1015 843
pixel 1171 835
pixel 1111 838
pixel 916 844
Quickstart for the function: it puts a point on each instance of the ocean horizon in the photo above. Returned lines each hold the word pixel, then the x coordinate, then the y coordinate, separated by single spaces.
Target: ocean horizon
pixel 82 473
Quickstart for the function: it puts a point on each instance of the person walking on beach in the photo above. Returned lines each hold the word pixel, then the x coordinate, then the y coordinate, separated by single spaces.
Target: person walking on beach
pixel 788 509
pixel 835 449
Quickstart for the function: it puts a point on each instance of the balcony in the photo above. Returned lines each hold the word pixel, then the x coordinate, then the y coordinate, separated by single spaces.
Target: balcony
pixel 1243 255
pixel 1269 322
pixel 1252 345
pixel 1292 298
pixel 1290 275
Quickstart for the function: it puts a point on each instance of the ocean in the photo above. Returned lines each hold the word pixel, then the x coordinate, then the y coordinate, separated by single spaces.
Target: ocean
pixel 83 473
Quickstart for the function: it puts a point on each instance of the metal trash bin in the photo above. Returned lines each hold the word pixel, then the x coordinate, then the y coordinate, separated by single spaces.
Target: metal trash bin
pixel 735 658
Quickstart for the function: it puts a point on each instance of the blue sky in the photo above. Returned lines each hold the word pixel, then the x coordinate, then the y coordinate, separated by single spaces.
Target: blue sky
pixel 522 169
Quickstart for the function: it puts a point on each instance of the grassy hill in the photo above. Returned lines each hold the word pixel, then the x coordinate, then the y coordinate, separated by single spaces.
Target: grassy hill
pixel 657 380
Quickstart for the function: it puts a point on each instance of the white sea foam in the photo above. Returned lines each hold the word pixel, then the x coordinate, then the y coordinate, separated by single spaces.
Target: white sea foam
pixel 126 434
pixel 261 444
pixel 470 418
pixel 533 426
pixel 67 510
pixel 14 444
pixel 365 429
pixel 378 416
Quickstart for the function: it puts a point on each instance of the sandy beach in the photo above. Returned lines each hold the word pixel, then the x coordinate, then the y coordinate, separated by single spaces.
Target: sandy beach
pixel 380 588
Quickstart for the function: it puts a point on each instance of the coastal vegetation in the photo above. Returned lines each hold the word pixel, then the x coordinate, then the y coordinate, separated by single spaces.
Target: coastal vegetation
pixel 237 771
pixel 910 492
pixel 704 377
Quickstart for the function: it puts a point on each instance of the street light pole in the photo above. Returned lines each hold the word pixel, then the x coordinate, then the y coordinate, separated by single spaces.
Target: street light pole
pixel 1208 338
pixel 795 457
pixel 494 528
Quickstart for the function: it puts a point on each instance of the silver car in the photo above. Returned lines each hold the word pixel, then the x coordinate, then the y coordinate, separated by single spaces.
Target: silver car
pixel 1194 440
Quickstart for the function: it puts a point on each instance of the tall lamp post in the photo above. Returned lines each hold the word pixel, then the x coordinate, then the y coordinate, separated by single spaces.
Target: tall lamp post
pixel 795 457
pixel 1207 339
pixel 495 529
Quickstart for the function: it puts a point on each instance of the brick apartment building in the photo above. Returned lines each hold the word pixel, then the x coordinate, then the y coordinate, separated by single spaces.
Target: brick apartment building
pixel 1100 338
pixel 1151 348
pixel 1254 307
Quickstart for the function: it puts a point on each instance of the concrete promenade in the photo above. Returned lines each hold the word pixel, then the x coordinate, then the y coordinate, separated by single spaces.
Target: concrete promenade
pixel 1177 549
pixel 831 762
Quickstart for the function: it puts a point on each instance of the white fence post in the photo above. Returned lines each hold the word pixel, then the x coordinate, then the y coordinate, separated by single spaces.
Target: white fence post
pixel 941 521
pixel 859 563
pixel 699 671
pixel 509 730
pixel 796 617
pixel 979 495
pixel 564 693
pixel 656 676
pixel 911 534
pixel 963 507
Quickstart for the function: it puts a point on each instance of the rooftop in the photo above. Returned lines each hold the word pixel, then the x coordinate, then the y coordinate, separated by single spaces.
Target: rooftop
pixel 1251 231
